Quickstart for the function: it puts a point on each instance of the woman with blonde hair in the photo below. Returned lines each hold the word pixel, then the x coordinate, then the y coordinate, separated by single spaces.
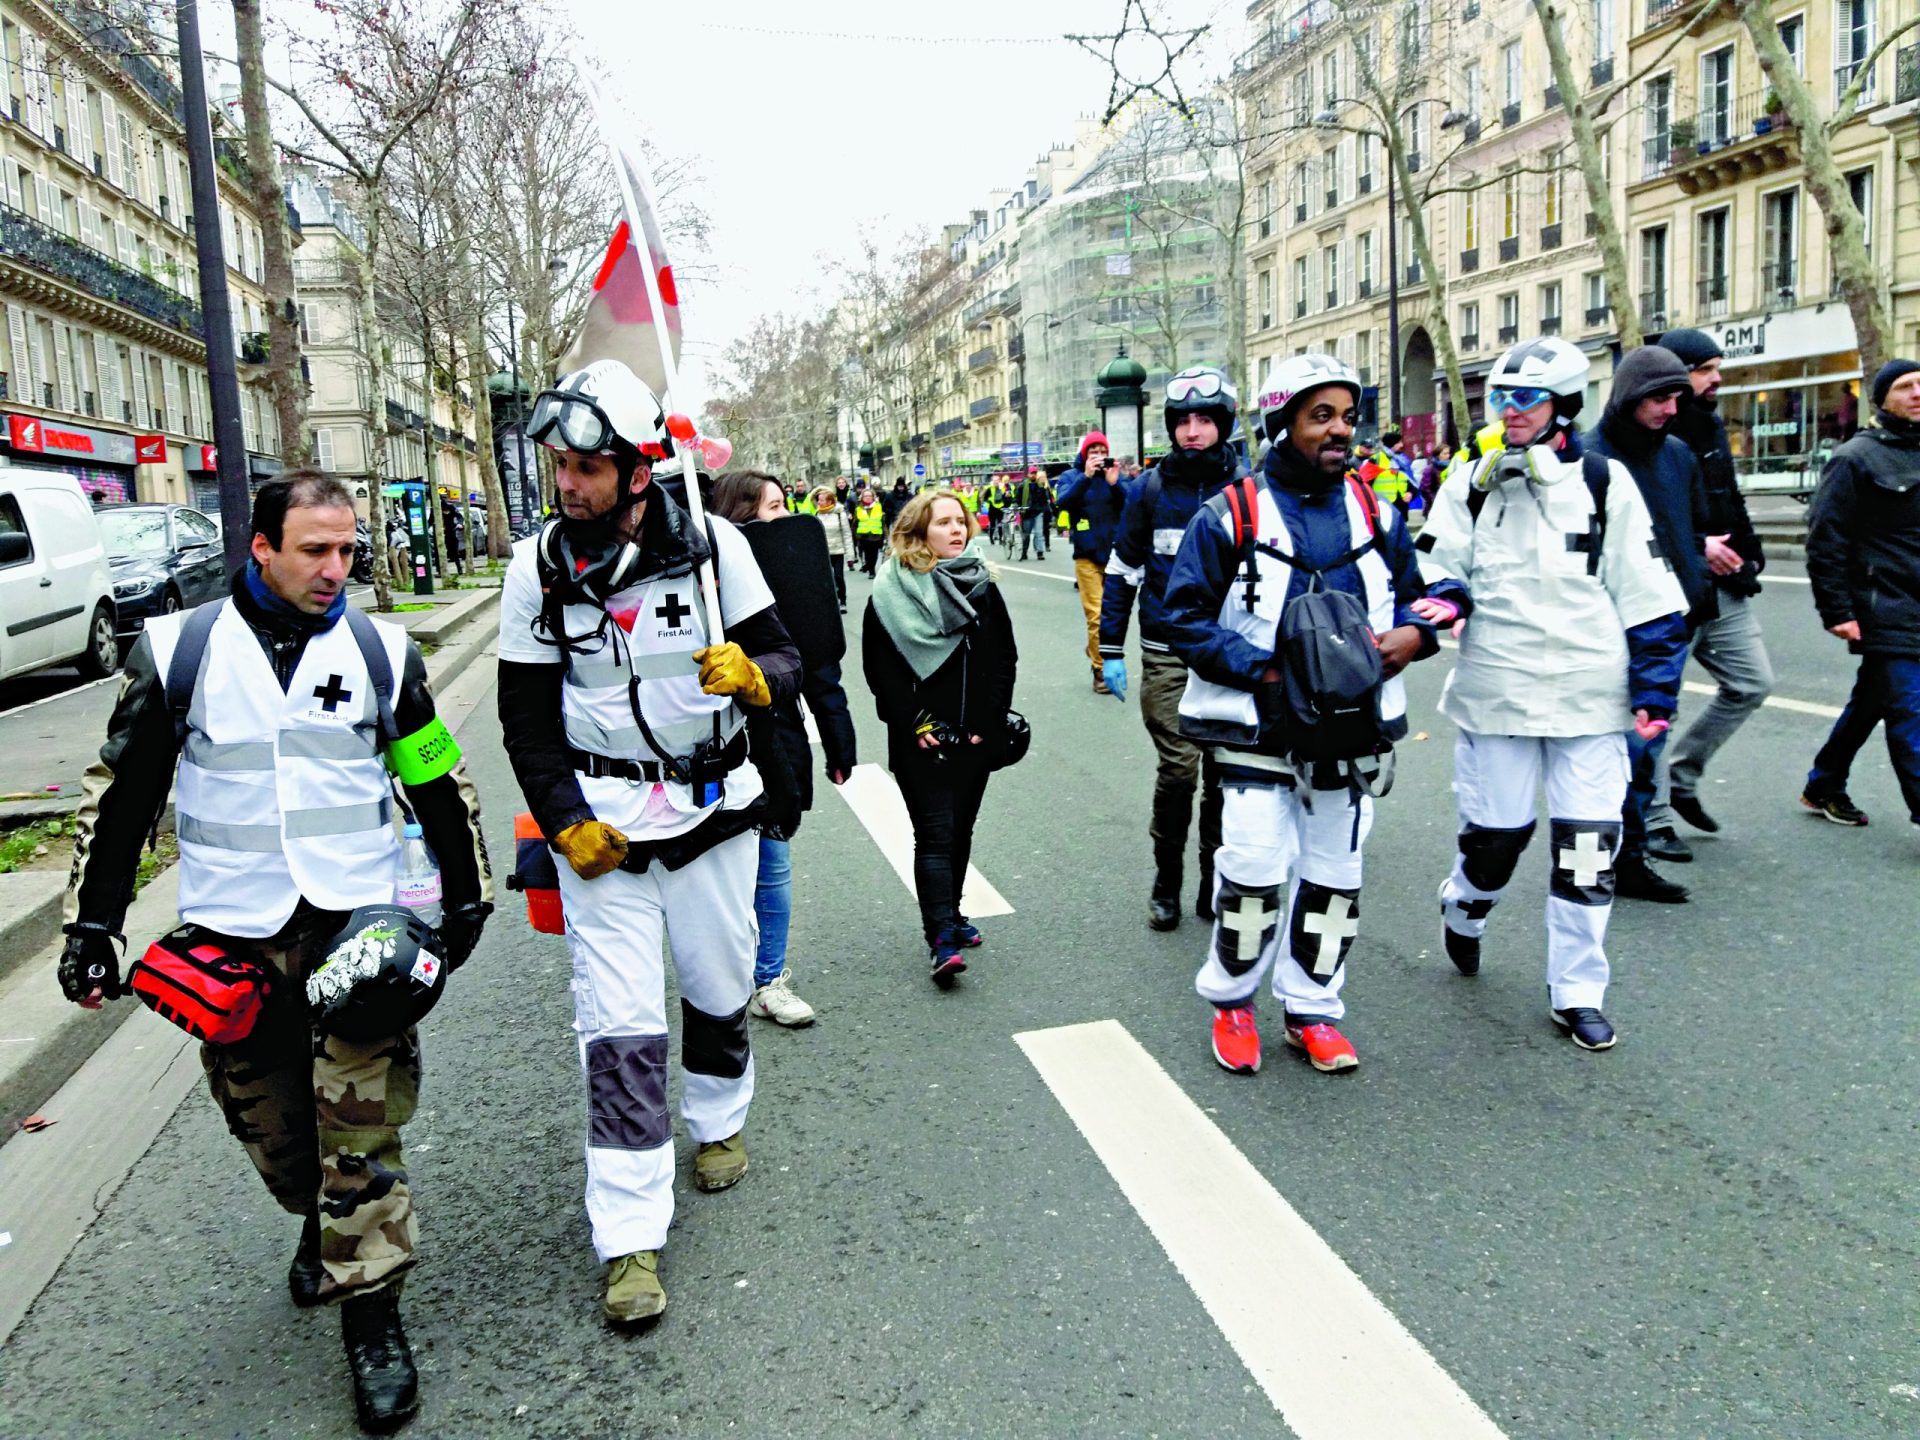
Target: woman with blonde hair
pixel 940 658
pixel 832 516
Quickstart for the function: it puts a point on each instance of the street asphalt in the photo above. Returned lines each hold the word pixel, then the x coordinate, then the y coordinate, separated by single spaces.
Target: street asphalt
pixel 1706 1232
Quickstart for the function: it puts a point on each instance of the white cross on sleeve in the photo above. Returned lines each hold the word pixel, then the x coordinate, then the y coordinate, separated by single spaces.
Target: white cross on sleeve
pixel 1588 860
pixel 1338 925
pixel 1248 919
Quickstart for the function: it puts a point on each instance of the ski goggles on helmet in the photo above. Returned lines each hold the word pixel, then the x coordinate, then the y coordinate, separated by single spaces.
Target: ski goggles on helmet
pixel 1504 398
pixel 1184 387
pixel 576 421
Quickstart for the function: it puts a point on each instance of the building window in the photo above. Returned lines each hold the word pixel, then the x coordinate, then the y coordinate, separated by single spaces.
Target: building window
pixel 1302 98
pixel 1363 164
pixel 323 447
pixel 1509 318
pixel 1266 299
pixel 1330 168
pixel 1715 125
pixel 1853 37
pixel 1300 192
pixel 1365 246
pixel 1470 220
pixel 1470 325
pixel 1415 136
pixel 1793 35
pixel 1330 79
pixel 1299 286
pixel 1860 187
pixel 1550 308
pixel 1653 277
pixel 1596 297
pixel 1658 124
pixel 1600 23
pixel 1510 76
pixel 1266 206
pixel 1473 89
pixel 1780 247
pixel 1550 194
pixel 1510 206
pixel 1710 262
pixel 1330 270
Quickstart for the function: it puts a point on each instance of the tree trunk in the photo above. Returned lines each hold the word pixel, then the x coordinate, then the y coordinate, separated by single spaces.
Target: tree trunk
pixel 375 414
pixel 1846 231
pixel 498 525
pixel 1613 249
pixel 269 199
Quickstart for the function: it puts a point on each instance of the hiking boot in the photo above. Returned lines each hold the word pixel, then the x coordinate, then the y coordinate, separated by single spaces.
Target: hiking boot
pixel 776 1001
pixel 1635 879
pixel 1835 806
pixel 1666 844
pixel 1236 1042
pixel 719 1164
pixel 634 1296
pixel 386 1387
pixel 306 1272
pixel 945 957
pixel 1585 1026
pixel 1689 809
pixel 1163 901
pixel 1327 1049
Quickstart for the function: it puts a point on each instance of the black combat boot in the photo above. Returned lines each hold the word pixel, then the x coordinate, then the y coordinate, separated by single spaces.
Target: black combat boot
pixel 306 1272
pixel 386 1387
pixel 1635 879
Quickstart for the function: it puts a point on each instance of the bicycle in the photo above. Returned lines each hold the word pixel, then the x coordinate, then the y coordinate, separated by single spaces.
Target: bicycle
pixel 1005 534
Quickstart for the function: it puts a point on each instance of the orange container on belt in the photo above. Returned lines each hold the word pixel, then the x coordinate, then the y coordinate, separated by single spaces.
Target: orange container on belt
pixel 534 872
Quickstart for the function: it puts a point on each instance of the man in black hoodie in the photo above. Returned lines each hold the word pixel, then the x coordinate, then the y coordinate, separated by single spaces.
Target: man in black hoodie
pixel 1635 430
pixel 1729 647
pixel 1863 557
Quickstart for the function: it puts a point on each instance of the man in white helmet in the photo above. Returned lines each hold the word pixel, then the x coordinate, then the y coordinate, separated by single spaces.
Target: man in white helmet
pixel 1302 533
pixel 1577 632
pixel 625 727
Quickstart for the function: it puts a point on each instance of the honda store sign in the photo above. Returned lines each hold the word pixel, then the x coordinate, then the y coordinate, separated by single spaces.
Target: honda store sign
pixel 150 449
pixel 30 435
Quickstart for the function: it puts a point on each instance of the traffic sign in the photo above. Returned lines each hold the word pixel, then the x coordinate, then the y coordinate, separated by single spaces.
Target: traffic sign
pixel 919 472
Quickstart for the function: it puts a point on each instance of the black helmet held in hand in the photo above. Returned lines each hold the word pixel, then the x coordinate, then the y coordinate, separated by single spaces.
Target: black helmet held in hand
pixel 382 972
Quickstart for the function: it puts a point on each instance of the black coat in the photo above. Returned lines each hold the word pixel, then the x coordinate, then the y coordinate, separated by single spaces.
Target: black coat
pixel 1699 425
pixel 973 690
pixel 1863 540
pixel 1669 480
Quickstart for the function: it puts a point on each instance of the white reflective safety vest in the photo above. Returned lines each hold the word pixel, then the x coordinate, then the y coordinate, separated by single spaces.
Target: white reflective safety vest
pixel 1545 652
pixel 1231 716
pixel 642 655
pixel 281 794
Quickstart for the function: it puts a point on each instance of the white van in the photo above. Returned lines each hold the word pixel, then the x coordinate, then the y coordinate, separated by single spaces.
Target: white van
pixel 56 589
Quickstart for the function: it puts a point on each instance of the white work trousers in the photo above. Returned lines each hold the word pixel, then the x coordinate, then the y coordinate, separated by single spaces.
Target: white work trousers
pixel 1495 780
pixel 1267 832
pixel 616 926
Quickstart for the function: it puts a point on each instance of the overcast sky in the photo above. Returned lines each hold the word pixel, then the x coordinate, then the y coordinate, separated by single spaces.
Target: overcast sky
pixel 813 123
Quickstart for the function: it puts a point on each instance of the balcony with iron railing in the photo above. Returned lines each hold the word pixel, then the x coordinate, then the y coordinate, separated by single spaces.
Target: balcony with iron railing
pixel 1549 324
pixel 1659 12
pixel 1597 315
pixel 1470 340
pixel 1282 34
pixel 1779 283
pixel 1507 334
pixel 1711 298
pixel 1510 249
pixel 1653 309
pixel 1725 143
pixel 1601 72
pixel 1843 76
pixel 1300 308
pixel 1550 236
pixel 1005 302
pixel 985 405
pixel 949 427
pixel 986 355
pixel 27 242
pixel 1017 398
pixel 1510 113
pixel 1469 260
pixel 1017 346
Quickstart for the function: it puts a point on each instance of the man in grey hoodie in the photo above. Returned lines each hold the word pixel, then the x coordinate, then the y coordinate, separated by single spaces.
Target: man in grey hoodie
pixel 1647 386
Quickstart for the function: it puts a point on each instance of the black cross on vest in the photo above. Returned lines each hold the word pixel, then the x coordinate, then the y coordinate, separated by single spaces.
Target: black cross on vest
pixel 330 695
pixel 673 611
pixel 1251 577
pixel 1587 543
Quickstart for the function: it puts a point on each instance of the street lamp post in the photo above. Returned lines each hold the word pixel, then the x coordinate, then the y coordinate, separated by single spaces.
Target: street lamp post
pixel 1328 119
pixel 1020 330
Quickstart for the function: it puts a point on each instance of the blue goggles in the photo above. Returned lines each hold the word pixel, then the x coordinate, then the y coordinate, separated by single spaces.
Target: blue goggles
pixel 1501 400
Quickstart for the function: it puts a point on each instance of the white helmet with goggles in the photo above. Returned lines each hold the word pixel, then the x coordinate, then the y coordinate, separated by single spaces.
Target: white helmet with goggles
pixel 1202 390
pixel 599 410
pixel 1547 368
pixel 1292 379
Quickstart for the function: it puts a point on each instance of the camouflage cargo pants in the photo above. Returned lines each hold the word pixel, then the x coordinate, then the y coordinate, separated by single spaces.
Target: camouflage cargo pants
pixel 320 1118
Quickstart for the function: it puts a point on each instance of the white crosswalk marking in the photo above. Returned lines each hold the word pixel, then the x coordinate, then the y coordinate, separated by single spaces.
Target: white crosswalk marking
pixel 875 799
pixel 1334 1361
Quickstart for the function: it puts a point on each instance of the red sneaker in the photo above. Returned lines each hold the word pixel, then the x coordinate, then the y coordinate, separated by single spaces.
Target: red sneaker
pixel 1327 1049
pixel 1236 1044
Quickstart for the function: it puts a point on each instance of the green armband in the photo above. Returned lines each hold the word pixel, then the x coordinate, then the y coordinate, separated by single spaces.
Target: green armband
pixel 427 754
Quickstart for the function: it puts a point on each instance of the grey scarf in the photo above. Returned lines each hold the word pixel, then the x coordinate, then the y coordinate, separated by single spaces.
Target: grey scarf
pixel 925 613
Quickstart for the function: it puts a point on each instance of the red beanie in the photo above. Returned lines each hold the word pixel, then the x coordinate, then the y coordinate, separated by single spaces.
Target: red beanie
pixel 1094 437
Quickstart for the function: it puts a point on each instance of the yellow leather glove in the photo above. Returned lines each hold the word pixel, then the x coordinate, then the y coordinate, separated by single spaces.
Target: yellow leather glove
pixel 592 848
pixel 726 670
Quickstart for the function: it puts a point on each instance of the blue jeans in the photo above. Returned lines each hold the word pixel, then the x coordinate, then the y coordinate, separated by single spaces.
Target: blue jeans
pixel 1888 688
pixel 773 908
pixel 1644 755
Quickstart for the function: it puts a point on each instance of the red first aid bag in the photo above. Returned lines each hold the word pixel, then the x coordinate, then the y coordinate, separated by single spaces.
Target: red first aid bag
pixel 535 873
pixel 197 983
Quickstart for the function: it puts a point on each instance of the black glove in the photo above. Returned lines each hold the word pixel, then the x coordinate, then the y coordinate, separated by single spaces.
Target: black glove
pixel 90 962
pixel 460 931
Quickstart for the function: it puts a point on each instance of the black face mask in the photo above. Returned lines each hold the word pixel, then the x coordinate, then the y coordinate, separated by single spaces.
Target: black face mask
pixel 1199 465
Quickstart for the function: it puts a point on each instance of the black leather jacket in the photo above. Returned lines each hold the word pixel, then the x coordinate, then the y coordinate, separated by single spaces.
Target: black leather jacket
pixel 1863 538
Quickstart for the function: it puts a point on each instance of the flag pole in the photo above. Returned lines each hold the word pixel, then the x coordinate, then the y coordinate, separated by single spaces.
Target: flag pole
pixel 630 171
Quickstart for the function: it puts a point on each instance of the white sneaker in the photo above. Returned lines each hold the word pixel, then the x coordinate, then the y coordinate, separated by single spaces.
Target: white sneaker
pixel 776 1001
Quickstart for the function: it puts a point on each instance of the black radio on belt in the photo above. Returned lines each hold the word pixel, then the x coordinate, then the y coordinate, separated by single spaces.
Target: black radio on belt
pixel 706 771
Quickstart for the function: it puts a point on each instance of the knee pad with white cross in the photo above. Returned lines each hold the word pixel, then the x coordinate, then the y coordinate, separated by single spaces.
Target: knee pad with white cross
pixel 1246 917
pixel 1325 922
pixel 1583 852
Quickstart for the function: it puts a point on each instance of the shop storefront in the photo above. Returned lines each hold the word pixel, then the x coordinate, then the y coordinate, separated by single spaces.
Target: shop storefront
pixel 101 460
pixel 1790 394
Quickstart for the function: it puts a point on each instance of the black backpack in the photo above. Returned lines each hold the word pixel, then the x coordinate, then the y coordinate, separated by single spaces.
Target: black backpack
pixel 1327 703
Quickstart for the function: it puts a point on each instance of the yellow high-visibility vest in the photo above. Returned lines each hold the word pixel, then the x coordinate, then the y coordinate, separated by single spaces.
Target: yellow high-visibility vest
pixel 869 519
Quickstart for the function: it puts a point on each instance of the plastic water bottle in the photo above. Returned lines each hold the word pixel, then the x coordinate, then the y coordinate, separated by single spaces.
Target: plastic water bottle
pixel 418 888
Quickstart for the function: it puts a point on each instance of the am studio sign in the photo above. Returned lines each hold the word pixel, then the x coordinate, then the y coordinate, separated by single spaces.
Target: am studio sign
pixel 1742 339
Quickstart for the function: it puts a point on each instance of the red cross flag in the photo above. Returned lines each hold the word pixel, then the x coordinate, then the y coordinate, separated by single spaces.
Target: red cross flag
pixel 620 323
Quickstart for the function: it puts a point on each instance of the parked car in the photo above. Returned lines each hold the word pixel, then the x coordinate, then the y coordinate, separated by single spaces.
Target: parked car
pixel 56 589
pixel 164 557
